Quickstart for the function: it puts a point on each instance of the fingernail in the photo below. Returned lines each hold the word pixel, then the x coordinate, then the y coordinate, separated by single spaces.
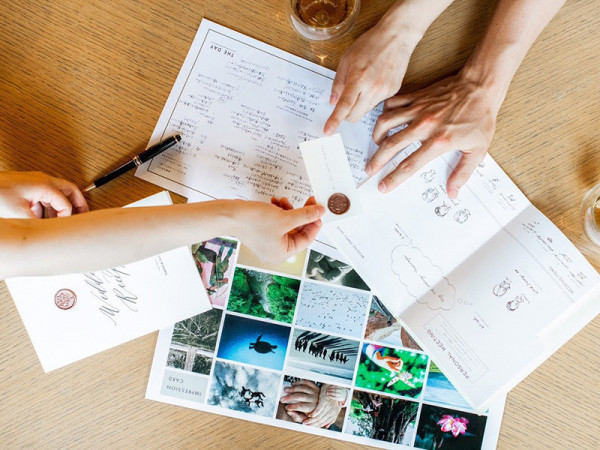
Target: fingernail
pixel 327 131
pixel 287 389
pixel 382 187
pixel 333 99
pixel 369 168
pixel 451 191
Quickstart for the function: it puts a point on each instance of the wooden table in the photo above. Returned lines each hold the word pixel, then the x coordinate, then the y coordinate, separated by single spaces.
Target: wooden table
pixel 82 84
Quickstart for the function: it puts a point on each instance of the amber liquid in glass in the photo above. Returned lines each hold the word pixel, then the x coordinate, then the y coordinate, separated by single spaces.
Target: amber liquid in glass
pixel 322 13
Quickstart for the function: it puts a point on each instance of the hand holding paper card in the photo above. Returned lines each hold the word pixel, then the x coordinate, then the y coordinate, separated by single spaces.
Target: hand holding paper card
pixel 330 176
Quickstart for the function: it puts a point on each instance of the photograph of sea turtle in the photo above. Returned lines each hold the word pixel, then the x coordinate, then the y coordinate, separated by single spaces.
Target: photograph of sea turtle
pixel 262 346
pixel 253 342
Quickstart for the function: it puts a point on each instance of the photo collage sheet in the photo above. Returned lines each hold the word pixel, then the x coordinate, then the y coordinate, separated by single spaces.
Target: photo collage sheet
pixel 306 346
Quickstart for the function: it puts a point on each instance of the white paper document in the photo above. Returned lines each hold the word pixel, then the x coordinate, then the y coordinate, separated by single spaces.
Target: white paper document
pixel 242 107
pixel 483 282
pixel 69 317
pixel 312 325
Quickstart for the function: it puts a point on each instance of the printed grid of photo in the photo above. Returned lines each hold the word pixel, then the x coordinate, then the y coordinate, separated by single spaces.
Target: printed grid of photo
pixel 317 351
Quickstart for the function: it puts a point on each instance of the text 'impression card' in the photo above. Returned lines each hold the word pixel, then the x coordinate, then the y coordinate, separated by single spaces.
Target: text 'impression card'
pixel 330 177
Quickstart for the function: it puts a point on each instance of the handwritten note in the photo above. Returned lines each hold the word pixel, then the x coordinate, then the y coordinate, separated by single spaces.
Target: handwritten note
pixel 242 108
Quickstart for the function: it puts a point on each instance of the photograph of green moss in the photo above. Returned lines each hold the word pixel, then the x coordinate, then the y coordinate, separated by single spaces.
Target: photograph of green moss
pixel 264 295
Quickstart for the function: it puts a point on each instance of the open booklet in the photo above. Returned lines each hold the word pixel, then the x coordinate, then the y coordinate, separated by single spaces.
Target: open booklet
pixel 69 317
pixel 310 324
pixel 485 283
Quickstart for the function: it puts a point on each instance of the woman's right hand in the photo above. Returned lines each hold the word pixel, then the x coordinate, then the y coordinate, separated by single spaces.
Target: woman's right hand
pixel 370 71
pixel 276 231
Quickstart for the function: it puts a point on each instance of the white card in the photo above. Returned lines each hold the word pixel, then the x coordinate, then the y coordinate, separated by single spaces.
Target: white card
pixel 112 306
pixel 331 178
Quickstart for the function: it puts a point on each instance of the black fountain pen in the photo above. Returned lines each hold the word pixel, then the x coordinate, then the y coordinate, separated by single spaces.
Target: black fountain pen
pixel 138 160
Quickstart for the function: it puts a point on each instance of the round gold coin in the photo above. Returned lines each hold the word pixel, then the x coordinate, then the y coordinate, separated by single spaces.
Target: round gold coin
pixel 338 203
pixel 65 299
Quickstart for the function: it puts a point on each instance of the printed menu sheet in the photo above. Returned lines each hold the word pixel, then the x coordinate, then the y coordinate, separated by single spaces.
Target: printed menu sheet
pixel 72 316
pixel 308 347
pixel 242 107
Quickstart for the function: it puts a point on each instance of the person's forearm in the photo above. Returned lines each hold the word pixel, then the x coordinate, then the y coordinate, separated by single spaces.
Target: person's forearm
pixel 515 26
pixel 409 19
pixel 106 238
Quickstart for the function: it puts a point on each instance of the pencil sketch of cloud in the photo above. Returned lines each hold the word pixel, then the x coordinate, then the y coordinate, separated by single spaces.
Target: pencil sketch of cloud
pixel 424 281
pixel 228 380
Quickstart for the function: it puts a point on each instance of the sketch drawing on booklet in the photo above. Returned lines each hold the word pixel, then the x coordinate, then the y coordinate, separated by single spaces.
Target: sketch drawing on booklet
pixel 215 260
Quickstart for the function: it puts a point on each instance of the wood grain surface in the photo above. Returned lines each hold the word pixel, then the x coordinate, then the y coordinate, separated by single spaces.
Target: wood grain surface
pixel 82 84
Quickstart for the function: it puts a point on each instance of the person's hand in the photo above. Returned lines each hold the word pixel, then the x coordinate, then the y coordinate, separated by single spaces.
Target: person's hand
pixel 25 195
pixel 276 231
pixel 326 411
pixel 301 399
pixel 370 71
pixel 453 114
pixel 337 393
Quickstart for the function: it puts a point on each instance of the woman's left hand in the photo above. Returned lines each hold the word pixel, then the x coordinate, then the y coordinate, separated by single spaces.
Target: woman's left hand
pixel 454 114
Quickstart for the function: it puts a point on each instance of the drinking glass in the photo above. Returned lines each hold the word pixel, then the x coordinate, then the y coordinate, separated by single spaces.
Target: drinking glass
pixel 321 20
pixel 590 215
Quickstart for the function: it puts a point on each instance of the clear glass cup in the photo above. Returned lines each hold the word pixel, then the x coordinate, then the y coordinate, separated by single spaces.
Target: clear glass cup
pixel 320 20
pixel 590 215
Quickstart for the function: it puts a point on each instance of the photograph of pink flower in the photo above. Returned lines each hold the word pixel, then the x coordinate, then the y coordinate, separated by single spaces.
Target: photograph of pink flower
pixel 447 429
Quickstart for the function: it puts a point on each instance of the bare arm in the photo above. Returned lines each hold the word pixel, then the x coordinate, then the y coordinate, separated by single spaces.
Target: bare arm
pixel 105 238
pixel 460 112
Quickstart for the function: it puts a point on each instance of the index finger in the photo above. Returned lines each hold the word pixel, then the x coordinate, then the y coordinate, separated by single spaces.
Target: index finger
pixel 73 193
pixel 342 108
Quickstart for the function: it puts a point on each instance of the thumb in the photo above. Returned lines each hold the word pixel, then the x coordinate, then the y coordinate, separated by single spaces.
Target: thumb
pixel 304 215
pixel 462 172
